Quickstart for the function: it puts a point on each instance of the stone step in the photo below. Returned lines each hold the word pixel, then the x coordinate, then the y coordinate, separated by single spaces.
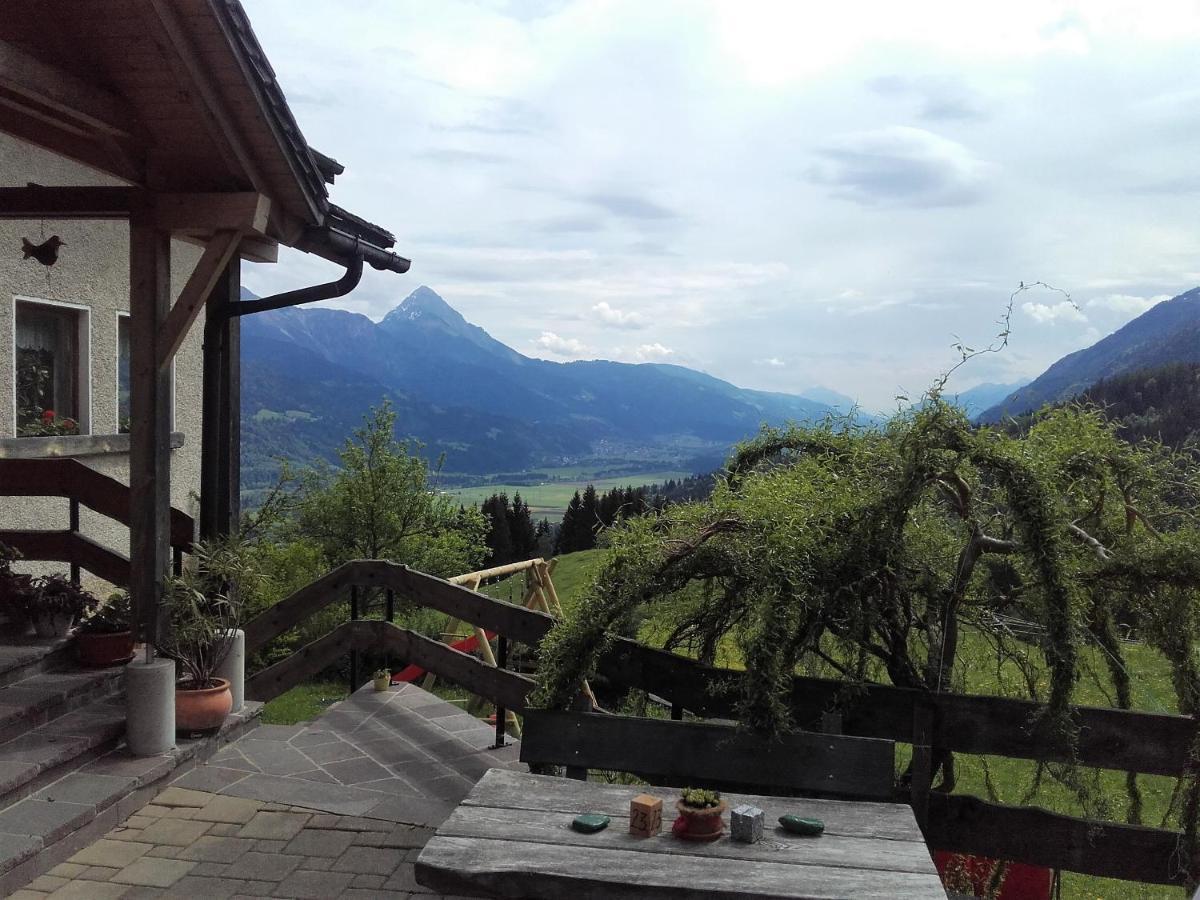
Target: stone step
pixel 21 658
pixel 84 800
pixel 44 697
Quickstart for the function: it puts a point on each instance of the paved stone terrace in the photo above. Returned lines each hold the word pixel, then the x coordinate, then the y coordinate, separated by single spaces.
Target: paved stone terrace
pixel 339 807
pixel 193 844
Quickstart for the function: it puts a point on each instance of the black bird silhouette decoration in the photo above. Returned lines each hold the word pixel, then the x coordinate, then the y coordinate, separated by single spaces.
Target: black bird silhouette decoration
pixel 46 252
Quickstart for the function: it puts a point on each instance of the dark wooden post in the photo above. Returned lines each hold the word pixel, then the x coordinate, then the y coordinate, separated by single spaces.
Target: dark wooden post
pixel 354 685
pixel 149 449
pixel 220 441
pixel 921 772
pixel 74 532
pixel 501 712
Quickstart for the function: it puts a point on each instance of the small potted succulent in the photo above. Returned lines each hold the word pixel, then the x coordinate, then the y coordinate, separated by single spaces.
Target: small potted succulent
pixel 699 815
pixel 204 613
pixel 105 636
pixel 382 679
pixel 57 603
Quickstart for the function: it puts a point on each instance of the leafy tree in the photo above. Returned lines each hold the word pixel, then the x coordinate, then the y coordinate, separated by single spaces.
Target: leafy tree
pixel 866 551
pixel 379 504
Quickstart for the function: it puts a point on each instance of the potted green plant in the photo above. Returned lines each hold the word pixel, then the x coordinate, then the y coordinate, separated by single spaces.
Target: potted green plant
pixel 105 635
pixel 382 680
pixel 699 815
pixel 17 592
pixel 203 615
pixel 57 603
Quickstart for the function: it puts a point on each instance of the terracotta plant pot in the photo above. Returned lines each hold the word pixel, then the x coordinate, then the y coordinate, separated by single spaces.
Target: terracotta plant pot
pixel 202 709
pixel 99 650
pixel 696 824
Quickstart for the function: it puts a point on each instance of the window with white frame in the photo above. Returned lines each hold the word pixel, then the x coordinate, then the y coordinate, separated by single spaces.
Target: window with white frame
pixel 50 344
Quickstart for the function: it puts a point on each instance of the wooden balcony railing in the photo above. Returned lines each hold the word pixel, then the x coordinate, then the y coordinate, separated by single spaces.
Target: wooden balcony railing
pixel 80 485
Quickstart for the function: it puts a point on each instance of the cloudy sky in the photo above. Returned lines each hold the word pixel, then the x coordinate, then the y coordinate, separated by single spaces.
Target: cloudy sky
pixel 781 194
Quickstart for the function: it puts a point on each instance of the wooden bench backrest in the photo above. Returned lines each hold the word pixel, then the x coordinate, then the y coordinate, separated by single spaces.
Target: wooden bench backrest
pixel 703 754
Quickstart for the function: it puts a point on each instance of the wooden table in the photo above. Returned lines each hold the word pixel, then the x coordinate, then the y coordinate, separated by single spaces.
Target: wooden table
pixel 511 837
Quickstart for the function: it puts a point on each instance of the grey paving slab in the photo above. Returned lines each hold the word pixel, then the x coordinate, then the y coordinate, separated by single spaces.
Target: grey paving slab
pixel 311 738
pixel 263 866
pixel 274 757
pixel 369 861
pixel 16 848
pixel 320 843
pixel 314 885
pixel 43 819
pixel 332 798
pixel 277 732
pixel 210 778
pixel 331 751
pixel 275 826
pixel 88 788
pixel 43 748
pixel 356 771
pixel 318 775
pixel 413 810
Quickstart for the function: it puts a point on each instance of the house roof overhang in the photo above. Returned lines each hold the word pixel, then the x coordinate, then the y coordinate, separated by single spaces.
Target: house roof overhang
pixel 175 96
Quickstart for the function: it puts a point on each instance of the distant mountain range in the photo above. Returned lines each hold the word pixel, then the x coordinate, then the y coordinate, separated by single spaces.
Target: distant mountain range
pixel 309 375
pixel 1167 333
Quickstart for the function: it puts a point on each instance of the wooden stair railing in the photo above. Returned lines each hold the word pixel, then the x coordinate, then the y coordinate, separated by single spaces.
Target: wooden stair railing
pixel 81 485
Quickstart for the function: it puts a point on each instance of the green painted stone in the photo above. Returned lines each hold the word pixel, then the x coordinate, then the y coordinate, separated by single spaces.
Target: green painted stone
pixel 797 825
pixel 590 823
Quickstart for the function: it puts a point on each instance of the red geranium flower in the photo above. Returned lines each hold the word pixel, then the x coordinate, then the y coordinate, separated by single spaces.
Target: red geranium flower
pixel 48 415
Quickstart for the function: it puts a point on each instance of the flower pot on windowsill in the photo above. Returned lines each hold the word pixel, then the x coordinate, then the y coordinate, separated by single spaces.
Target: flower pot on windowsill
pixel 199 709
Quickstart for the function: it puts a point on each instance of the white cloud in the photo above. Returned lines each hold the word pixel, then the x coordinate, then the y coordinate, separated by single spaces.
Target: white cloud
pixel 773 361
pixel 899 166
pixel 549 342
pixel 1063 311
pixel 655 352
pixel 1128 304
pixel 617 318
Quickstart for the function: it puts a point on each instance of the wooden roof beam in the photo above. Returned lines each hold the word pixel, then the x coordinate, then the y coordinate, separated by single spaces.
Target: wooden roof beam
pixel 195 294
pixel 74 98
pixel 192 70
pixel 244 212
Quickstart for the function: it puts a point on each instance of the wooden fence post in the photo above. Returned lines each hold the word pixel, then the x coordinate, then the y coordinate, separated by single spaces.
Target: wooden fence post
pixel 921 772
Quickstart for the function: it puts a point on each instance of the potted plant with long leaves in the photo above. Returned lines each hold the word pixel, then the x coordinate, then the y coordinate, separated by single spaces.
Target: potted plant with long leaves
pixel 203 615
pixel 105 635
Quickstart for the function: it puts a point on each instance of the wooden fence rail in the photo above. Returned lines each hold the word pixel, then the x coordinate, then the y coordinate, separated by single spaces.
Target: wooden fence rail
pixel 80 484
pixel 1149 743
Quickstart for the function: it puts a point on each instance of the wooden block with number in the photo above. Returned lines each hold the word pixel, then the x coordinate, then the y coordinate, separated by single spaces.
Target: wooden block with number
pixel 645 815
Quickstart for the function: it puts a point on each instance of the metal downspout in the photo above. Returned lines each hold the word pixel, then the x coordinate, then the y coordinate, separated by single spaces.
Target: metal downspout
pixel 327 291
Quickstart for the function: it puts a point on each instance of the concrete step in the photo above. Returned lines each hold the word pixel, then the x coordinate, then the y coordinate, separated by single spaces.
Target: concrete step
pixel 82 800
pixel 21 658
pixel 44 697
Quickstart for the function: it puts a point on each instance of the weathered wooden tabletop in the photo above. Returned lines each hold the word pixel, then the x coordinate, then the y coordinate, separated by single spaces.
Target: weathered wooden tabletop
pixel 511 837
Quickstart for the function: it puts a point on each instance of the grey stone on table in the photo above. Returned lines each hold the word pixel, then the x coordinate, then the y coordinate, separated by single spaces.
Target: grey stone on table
pixel 331 751
pixel 263 866
pixel 274 757
pixel 210 778
pixel 16 848
pixel 321 843
pixel 355 771
pixel 368 861
pixel 49 821
pixel 217 849
pixel 330 798
pixel 275 826
pixel 89 789
pixel 314 885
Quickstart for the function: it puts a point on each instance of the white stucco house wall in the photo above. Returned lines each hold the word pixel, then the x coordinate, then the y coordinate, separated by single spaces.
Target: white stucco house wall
pixel 76 311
